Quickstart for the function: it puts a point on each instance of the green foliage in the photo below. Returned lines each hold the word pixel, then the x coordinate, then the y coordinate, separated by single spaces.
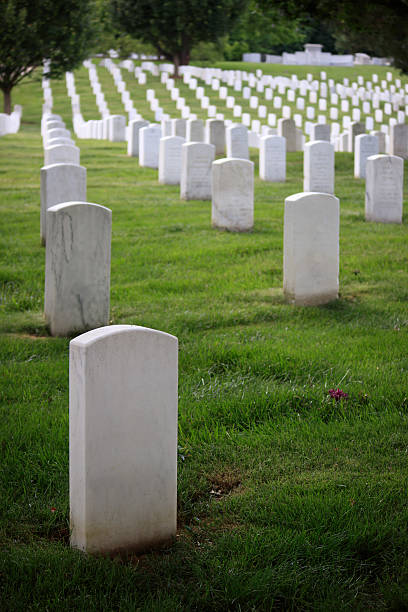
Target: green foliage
pixel 34 30
pixel 175 27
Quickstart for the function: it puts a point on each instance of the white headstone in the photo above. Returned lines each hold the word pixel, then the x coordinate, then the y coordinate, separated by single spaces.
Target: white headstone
pixel 215 135
pixel 272 158
pixel 195 130
pixel 61 154
pixel 196 160
pixel 149 143
pixel 384 188
pixel 178 127
pixel 365 146
pixel 399 140
pixel 355 129
pixel 237 141
pixel 320 131
pixel 77 267
pixel 60 183
pixel 233 194
pixel 117 128
pixel 311 248
pixel 318 167
pixel 123 439
pixel 287 129
pixel 170 160
pixel 133 138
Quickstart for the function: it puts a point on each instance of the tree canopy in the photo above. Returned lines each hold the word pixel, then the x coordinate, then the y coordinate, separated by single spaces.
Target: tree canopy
pixel 34 30
pixel 173 27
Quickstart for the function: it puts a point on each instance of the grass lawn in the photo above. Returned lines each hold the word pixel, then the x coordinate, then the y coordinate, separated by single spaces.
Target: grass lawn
pixel 287 500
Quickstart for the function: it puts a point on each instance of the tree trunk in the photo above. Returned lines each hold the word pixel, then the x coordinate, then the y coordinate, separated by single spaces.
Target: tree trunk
pixel 7 101
pixel 176 62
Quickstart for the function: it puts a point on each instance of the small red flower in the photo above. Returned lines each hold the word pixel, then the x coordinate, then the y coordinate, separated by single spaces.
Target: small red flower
pixel 338 394
pixel 53 509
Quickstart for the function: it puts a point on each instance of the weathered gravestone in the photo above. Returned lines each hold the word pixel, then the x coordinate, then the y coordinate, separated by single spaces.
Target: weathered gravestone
pixel 77 267
pixel 399 140
pixel 272 158
pixel 61 154
pixel 60 183
pixel 384 188
pixel 355 129
pixel 122 439
pixel 233 194
pixel 149 144
pixel 117 128
pixel 215 135
pixel 311 249
pixel 320 131
pixel 237 141
pixel 196 161
pixel 318 167
pixel 170 160
pixel 133 140
pixel 365 146
pixel 195 130
pixel 287 129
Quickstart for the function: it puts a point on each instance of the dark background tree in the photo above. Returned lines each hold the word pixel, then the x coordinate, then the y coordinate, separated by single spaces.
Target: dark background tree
pixel 34 30
pixel 173 27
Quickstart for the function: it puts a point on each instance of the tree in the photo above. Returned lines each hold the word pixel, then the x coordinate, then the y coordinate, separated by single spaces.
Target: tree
pixel 376 27
pixel 34 30
pixel 173 27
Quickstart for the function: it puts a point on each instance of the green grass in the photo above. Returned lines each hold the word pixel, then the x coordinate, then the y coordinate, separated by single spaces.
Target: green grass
pixel 286 500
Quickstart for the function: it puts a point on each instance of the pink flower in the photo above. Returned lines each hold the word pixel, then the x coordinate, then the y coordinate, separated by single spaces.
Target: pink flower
pixel 338 394
pixel 53 509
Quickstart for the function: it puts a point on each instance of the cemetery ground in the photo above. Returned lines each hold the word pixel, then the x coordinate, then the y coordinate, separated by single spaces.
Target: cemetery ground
pixel 287 498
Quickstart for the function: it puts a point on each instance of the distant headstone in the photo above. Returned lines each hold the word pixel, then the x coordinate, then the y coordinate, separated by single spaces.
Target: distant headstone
pixel 381 140
pixel 355 129
pixel 61 154
pixel 272 159
pixel 195 130
pixel 233 194
pixel 318 167
pixel 196 161
pixel 60 183
pixel 117 128
pixel 365 146
pixel 311 249
pixel 237 141
pixel 287 129
pixel 123 439
pixel 320 131
pixel 149 144
pixel 384 188
pixel 178 127
pixel 399 140
pixel 215 135
pixel 77 268
pixel 133 138
pixel 170 160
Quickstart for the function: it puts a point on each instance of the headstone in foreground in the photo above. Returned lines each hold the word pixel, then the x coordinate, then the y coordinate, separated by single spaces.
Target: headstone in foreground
pixel 77 267
pixel 196 161
pixel 233 194
pixel 384 188
pixel 311 249
pixel 123 439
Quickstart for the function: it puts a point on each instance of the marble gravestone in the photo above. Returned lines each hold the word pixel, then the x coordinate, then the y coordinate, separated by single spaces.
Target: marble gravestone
pixel 287 129
pixel 236 137
pixel 320 131
pixel 195 130
pixel 355 129
pixel 178 127
pixel 77 267
pixel 399 140
pixel 318 167
pixel 365 145
pixel 60 183
pixel 170 160
pixel 61 154
pixel 311 249
pixel 384 188
pixel 123 439
pixel 233 194
pixel 196 161
pixel 272 159
pixel 149 144
pixel 133 140
pixel 215 135
pixel 117 128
